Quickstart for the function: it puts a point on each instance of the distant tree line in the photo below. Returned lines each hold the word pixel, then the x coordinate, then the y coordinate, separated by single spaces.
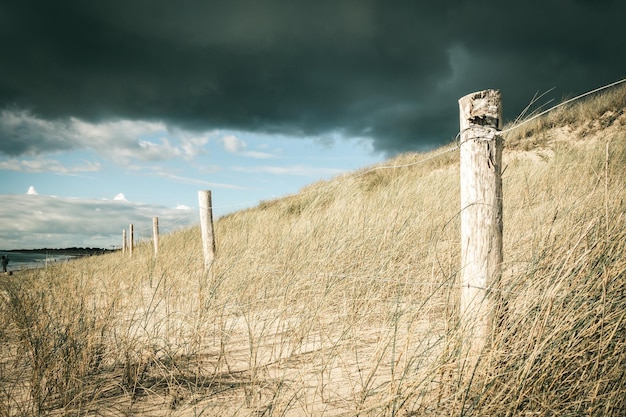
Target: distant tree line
pixel 73 251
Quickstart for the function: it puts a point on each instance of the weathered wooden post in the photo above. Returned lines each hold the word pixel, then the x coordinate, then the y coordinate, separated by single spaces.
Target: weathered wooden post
pixel 131 239
pixel 155 234
pixel 124 241
pixel 481 219
pixel 206 226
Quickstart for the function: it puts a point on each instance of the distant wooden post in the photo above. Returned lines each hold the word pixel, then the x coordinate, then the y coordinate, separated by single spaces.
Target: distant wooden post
pixel 124 241
pixel 131 239
pixel 206 226
pixel 155 234
pixel 481 218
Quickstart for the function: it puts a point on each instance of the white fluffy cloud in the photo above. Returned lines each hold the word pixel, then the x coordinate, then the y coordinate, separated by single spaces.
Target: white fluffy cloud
pixel 31 191
pixel 48 165
pixel 233 144
pixel 37 221
pixel 120 141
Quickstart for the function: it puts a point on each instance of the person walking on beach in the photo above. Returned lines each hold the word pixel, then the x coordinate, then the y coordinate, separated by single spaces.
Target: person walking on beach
pixel 4 261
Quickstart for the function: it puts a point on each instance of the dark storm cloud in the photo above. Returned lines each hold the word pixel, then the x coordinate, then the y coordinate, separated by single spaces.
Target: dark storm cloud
pixel 390 70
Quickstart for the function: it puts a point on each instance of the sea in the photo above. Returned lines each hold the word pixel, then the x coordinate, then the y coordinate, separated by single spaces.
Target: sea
pixel 30 260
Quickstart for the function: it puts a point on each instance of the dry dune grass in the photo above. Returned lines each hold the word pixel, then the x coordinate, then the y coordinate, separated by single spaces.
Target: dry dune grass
pixel 341 300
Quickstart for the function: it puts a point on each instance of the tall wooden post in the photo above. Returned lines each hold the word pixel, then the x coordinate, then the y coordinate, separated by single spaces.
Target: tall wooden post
pixel 481 218
pixel 131 239
pixel 155 234
pixel 206 226
pixel 124 241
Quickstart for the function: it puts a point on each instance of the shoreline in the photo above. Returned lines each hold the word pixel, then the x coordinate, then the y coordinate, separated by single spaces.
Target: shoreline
pixel 31 259
pixel 63 251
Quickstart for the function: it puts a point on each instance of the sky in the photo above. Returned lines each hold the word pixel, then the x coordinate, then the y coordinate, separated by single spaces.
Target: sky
pixel 116 112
